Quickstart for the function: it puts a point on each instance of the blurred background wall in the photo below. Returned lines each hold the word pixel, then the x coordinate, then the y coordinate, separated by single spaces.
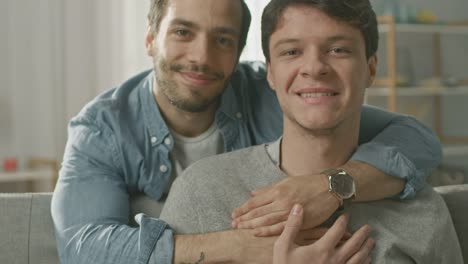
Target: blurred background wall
pixel 56 55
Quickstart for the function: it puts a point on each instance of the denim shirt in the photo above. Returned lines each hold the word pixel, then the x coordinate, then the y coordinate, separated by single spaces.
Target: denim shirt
pixel 119 145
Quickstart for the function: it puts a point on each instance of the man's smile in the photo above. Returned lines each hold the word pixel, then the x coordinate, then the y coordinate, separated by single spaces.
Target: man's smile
pixel 198 79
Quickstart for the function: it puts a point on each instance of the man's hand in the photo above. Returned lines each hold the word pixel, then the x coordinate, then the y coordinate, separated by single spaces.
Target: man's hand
pixel 269 207
pixel 325 250
pixel 309 236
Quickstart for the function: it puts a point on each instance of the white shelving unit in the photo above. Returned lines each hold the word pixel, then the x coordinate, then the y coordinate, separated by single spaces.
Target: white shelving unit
pixel 418 91
pixel 38 170
pixel 432 96
pixel 29 178
pixel 29 175
pixel 387 86
pixel 426 28
pixel 450 151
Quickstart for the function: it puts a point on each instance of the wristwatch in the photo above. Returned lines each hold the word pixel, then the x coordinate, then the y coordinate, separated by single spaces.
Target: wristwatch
pixel 341 184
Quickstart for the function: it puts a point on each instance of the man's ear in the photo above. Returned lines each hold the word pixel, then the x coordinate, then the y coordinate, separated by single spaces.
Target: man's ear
pixel 149 41
pixel 372 65
pixel 271 83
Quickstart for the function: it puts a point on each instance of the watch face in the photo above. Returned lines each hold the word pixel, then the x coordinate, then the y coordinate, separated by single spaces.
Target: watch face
pixel 342 184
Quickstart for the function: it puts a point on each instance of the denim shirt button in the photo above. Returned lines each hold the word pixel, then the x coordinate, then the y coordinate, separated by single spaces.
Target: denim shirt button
pixel 163 168
pixel 154 139
pixel 239 115
pixel 167 141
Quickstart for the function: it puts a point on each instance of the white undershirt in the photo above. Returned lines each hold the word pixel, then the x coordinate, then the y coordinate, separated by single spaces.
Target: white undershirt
pixel 188 150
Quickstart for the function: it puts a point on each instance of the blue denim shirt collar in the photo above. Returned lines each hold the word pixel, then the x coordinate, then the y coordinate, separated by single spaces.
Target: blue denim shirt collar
pixel 154 121
pixel 228 106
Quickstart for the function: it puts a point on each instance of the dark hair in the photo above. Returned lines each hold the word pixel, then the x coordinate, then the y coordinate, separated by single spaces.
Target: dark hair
pixel 358 13
pixel 158 10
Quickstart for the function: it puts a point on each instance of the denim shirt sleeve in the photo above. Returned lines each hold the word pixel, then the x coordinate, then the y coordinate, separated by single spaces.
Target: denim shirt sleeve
pixel 398 145
pixel 90 204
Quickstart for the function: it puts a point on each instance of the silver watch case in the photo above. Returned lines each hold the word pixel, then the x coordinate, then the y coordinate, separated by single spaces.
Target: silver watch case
pixel 340 183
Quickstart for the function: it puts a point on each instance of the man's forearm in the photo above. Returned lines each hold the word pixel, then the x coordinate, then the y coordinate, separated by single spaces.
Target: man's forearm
pixel 206 248
pixel 403 147
pixel 234 246
pixel 371 183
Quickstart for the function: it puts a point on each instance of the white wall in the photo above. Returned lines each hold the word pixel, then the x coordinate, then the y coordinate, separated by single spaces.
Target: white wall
pixel 5 108
pixel 253 49
pixel 104 44
pixel 57 55
pixel 31 72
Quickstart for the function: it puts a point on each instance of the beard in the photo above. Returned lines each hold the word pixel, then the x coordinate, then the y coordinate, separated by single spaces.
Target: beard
pixel 196 102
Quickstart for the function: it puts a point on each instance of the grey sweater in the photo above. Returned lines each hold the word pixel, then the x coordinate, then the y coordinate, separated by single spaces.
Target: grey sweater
pixel 202 199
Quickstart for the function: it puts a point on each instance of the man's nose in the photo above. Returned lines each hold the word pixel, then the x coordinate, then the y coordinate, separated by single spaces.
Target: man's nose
pixel 315 65
pixel 199 52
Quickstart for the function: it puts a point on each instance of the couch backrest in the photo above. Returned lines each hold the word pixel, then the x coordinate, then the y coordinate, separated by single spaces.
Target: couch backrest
pixel 456 198
pixel 27 236
pixel 26 230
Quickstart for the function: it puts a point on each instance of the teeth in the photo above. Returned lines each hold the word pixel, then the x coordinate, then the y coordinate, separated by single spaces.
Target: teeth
pixel 305 95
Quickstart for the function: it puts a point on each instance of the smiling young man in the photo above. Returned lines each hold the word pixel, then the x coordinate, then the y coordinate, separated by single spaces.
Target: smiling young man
pixel 320 74
pixel 198 102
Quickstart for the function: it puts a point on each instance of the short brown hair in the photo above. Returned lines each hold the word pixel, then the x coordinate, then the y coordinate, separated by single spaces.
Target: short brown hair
pixel 358 13
pixel 158 10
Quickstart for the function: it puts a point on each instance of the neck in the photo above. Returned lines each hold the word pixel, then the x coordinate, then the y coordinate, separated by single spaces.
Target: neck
pixel 305 152
pixel 188 124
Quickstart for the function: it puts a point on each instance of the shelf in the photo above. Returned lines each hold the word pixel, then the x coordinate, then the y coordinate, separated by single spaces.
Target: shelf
pixel 426 28
pixel 455 150
pixel 418 91
pixel 30 175
pixel 434 87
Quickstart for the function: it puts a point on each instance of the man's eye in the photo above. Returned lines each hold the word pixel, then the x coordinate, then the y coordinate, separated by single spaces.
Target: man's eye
pixel 291 52
pixel 225 41
pixel 182 32
pixel 339 50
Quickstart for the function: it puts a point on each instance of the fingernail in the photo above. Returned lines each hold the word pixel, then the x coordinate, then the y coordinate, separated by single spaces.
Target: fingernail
pixel 233 224
pixel 234 213
pixel 296 210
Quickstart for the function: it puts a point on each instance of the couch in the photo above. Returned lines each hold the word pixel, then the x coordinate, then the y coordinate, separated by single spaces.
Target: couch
pixel 27 236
